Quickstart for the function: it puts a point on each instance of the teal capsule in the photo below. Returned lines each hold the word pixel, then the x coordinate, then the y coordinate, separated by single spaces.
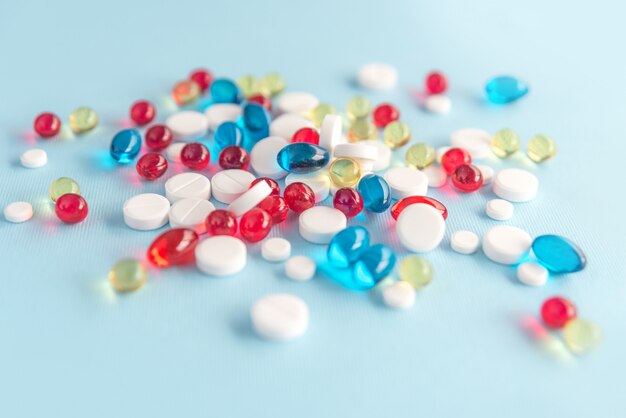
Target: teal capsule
pixel 125 146
pixel 347 246
pixel 227 134
pixel 375 192
pixel 373 265
pixel 302 157
pixel 224 90
pixel 505 89
pixel 558 254
pixel 255 117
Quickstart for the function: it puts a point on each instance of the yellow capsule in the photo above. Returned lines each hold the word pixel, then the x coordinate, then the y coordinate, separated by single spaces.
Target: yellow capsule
pixel 420 156
pixel 541 148
pixel 416 271
pixel 344 172
pixel 127 275
pixel 83 119
pixel 362 129
pixel 505 143
pixel 396 134
pixel 272 84
pixel 185 92
pixel 358 107
pixel 319 113
pixel 581 335
pixel 249 85
pixel 61 186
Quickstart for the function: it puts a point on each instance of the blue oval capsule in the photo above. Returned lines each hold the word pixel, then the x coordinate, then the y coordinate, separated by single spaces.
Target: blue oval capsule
pixel 558 254
pixel 505 89
pixel 373 265
pixel 375 192
pixel 224 90
pixel 301 157
pixel 255 117
pixel 347 245
pixel 125 146
pixel 227 134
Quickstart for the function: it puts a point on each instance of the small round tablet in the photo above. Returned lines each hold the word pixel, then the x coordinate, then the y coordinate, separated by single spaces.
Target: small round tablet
pixel 438 103
pixel 437 176
pixel 464 242
pixel 475 141
pixel 406 181
pixel 532 274
pixel 377 76
pixel 420 228
pixel 506 244
pixel 146 211
pixel 263 157
pixel 515 185
pixel 228 185
pixel 34 158
pixel 318 181
pixel 173 151
pixel 221 255
pixel 300 268
pixel 383 160
pixel 330 132
pixel 190 213
pixel 276 249
pixel 288 124
pixel 187 125
pixel 319 224
pixel 186 185
pixel 499 209
pixel 280 316
pixel 399 295
pixel 219 113
pixel 358 150
pixel 250 198
pixel 18 212
pixel 296 102
pixel 487 173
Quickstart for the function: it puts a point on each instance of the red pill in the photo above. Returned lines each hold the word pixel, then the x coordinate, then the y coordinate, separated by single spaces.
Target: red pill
pixel 453 158
pixel 202 77
pixel 151 166
pixel 299 197
pixel 556 311
pixel 47 125
pixel 142 112
pixel 401 204
pixel 436 83
pixel 255 225
pixel 261 100
pixel 234 156
pixel 173 247
pixel 195 156
pixel 271 182
pixel 308 135
pixel 71 208
pixel 221 222
pixel 384 114
pixel 348 201
pixel 276 206
pixel 158 137
pixel 467 178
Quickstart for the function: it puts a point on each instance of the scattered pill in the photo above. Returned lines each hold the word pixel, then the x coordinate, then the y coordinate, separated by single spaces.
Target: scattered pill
pixel 61 186
pixel 280 317
pixel 557 311
pixel 221 222
pixel 276 249
pixel 344 172
pixel 34 158
pixel 506 244
pixel 439 152
pixel 505 89
pixel 249 199
pixel 299 197
pixel 396 134
pixel 453 158
pixel 228 185
pixel 346 247
pixel 234 157
pixel 541 148
pixel 83 119
pixel 151 166
pixel 405 181
pixel 195 156
pixel 187 125
pixel 437 176
pixel 219 113
pixel 377 76
pixel 581 335
pixel 190 213
pixel 224 90
pixel 158 137
pixel 228 134
pixel 438 103
pixel 319 113
pixel 435 83
pixel 255 225
pixel 358 107
pixel 559 254
pixel 125 146
pixel 363 152
pixel 349 201
pixel 319 182
pixel 18 212
pixel 263 157
pixel 505 143
pixel 415 271
pixel 375 192
pixel 128 275
pixel 467 178
pixel 173 247
pixel 362 129
pixel 499 209
pixel 221 255
pixel 185 92
pixel 300 268
pixel 302 158
pixel 297 102
pixel 420 156
pixel 146 211
pixel 320 223
pixel 202 77
pixel 47 125
pixel 142 112
pixel 475 141
pixel 515 185
pixel 420 228
pixel 276 206
pixel 270 182
pixel 374 264
pixel 465 242
pixel 532 274
pixel 384 114
pixel 308 135
pixel 186 185
pixel 399 295
pixel 71 208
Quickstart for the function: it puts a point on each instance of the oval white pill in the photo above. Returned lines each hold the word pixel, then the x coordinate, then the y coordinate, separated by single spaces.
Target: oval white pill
pixel 506 244
pixel 190 213
pixel 464 242
pixel 219 113
pixel 228 185
pixel 358 150
pixel 499 209
pixel 377 76
pixel 280 316
pixel 187 185
pixel 250 198
pixel 319 224
pixel 300 268
pixel 420 228
pixel 487 173
pixel 318 181
pixel 331 132
pixel 34 158
pixel 532 274
pixel 146 211
pixel 437 176
pixel 438 103
pixel 276 249
pixel 475 141
pixel 173 151
pixel 399 295
pixel 18 212
pixel 296 102
pixel 221 255
pixel 288 124
pixel 406 181
pixel 187 125
pixel 515 185
pixel 383 160
pixel 263 157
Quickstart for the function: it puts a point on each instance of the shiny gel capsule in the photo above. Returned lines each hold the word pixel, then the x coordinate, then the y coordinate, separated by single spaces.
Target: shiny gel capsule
pixel 373 265
pixel 347 246
pixel 558 254
pixel 125 146
pixel 302 157
pixel 375 192
pixel 505 89
pixel 228 134
pixel 224 90
pixel 255 117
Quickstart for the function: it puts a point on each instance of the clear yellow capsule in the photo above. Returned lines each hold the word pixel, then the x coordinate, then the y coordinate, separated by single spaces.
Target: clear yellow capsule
pixel 505 143
pixel 249 85
pixel 61 186
pixel 272 84
pixel 541 148
pixel 358 107
pixel 581 335
pixel 420 156
pixel 396 134
pixel 83 119
pixel 127 275
pixel 362 129
pixel 319 113
pixel 416 271
pixel 344 172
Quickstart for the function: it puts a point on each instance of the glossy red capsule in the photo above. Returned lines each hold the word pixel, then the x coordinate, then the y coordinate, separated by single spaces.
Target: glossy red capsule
pixel 195 156
pixel 151 166
pixel 142 112
pixel 557 311
pixel 158 137
pixel 234 156
pixel 308 135
pixel 299 197
pixel 202 77
pixel 47 125
pixel 276 206
pixel 264 101
pixel 255 225
pixel 453 158
pixel 173 247
pixel 71 208
pixel 436 83
pixel 401 204
pixel 271 182
pixel 221 222
pixel 384 114
pixel 349 201
pixel 467 178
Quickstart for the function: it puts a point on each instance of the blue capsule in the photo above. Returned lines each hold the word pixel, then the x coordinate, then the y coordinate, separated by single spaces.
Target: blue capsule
pixel 224 90
pixel 375 193
pixel 256 117
pixel 505 89
pixel 301 157
pixel 373 265
pixel 558 254
pixel 125 146
pixel 347 246
pixel 227 134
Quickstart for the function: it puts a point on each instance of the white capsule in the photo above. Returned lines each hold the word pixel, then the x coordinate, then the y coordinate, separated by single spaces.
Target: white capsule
pixel 250 198
pixel 420 228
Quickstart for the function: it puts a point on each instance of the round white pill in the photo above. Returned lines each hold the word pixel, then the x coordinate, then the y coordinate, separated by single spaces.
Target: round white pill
pixel 532 274
pixel 263 157
pixel 515 185
pixel 288 124
pixel 219 113
pixel 318 181
pixel 399 295
pixel 377 76
pixel 475 141
pixel 186 185
pixel 319 224
pixel 383 160
pixel 276 249
pixel 420 228
pixel 437 176
pixel 487 173
pixel 250 198
pixel 300 268
pixel 438 103
pixel 280 316
pixel 146 211
pixel 173 151
pixel 439 153
pixel 221 255
pixel 228 185
pixel 190 213
pixel 506 244
pixel 356 150
pixel 464 242
pixel 296 102
pixel 331 132
pixel 499 209
pixel 34 158
pixel 406 181
pixel 187 125
pixel 18 212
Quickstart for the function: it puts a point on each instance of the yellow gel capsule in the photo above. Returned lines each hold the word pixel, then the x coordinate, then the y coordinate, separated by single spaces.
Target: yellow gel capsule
pixel 505 143
pixel 541 148
pixel 249 85
pixel 319 113
pixel 185 92
pixel 416 271
pixel 358 107
pixel 362 129
pixel 396 134
pixel 127 275
pixel 420 156
pixel 61 186
pixel 83 119
pixel 344 172
pixel 581 335
pixel 272 84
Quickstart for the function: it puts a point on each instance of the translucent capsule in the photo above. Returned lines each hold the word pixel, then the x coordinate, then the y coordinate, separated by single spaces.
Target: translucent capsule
pixel 299 197
pixel 557 311
pixel 362 129
pixel 256 117
pixel 344 172
pixel 276 206
pixel 151 166
pixel 400 205
pixel 505 89
pixel 373 265
pixel 234 157
pixel 348 201
pixel 224 90
pixel 453 158
pixel 558 254
pixel 300 157
pixel 195 156
pixel 319 113
pixel 71 208
pixel 158 137
pixel 375 192
pixel 416 271
pixel 358 107
pixel 221 222
pixel 61 186
pixel 272 84
pixel 202 77
pixel 185 92
pixel 396 134
pixel 262 100
pixel 270 182
pixel 125 146
pixel 47 125
pixel 173 247
pixel 228 134
pixel 384 114
pixel 436 83
pixel 467 178
pixel 308 135
pixel 248 84
pixel 581 335
pixel 347 246
pixel 128 275
pixel 420 156
pixel 83 119
pixel 505 143
pixel 255 225
pixel 541 148
pixel 142 112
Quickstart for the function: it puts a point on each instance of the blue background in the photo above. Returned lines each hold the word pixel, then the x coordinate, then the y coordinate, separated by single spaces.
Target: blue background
pixel 182 345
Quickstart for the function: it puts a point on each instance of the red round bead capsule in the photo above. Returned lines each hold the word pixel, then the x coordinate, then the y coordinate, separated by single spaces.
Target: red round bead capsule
pixel 271 182
pixel 436 83
pixel 47 125
pixel 556 311
pixel 195 156
pixel 221 222
pixel 158 137
pixel 234 156
pixel 453 158
pixel 299 197
pixel 384 114
pixel 348 201
pixel 71 208
pixel 308 135
pixel 401 204
pixel 262 100
pixel 151 166
pixel 467 178
pixel 255 225
pixel 276 206
pixel 142 112
pixel 202 77
pixel 173 247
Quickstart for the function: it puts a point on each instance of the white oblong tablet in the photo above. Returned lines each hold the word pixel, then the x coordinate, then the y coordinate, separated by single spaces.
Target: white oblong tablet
pixel 228 185
pixel 475 141
pixel 18 212
pixel 300 268
pixel 173 151
pixel 532 274
pixel 438 103
pixel 296 102
pixel 487 173
pixel 331 132
pixel 399 295
pixel 420 228
pixel 219 113
pixel 318 181
pixel 356 150
pixel 319 224
pixel 250 198
pixel 499 209
pixel 506 244
pixel 187 125
pixel 275 249
pixel 146 211
pixel 190 213
pixel 280 316
pixel 465 242
pixel 221 255
pixel 377 76
pixel 288 124
pixel 263 157
pixel 437 176
pixel 383 160
pixel 187 185
pixel 515 185
pixel 406 181
pixel 439 153
pixel 34 158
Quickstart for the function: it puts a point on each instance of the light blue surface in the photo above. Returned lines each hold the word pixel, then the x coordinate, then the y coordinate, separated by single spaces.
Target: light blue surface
pixel 182 346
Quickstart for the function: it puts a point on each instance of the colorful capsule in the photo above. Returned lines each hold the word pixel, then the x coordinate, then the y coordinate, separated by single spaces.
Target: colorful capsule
pixel 128 275
pixel 349 201
pixel 185 92
pixel 225 91
pixel 347 246
pixel 71 208
pixel 416 271
pixel 420 156
pixel 559 254
pixel 61 186
pixel 396 134
pixel 375 192
pixel 300 157
pixel 373 265
pixel 151 166
pixel 47 125
pixel 505 89
pixel 83 119
pixel 173 247
pixel 400 205
pixel 384 114
pixel 467 178
pixel 505 143
pixel 541 148
pixel 125 146
pixel 228 134
pixel 344 172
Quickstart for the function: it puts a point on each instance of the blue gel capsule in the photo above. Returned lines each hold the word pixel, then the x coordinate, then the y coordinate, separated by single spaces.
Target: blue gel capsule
pixel 224 90
pixel 125 146
pixel 558 254
pixel 505 89
pixel 373 265
pixel 375 193
pixel 255 117
pixel 301 157
pixel 227 134
pixel 347 245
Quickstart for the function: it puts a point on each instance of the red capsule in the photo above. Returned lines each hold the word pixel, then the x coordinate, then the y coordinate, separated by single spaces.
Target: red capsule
pixel 71 208
pixel 348 201
pixel 264 101
pixel 556 311
pixel 173 247
pixel 221 222
pixel 271 182
pixel 276 206
pixel 151 166
pixel 453 158
pixel 47 125
pixel 195 156
pixel 401 204
pixel 299 197
pixel 384 114
pixel 202 77
pixel 255 225
pixel 234 156
pixel 308 135
pixel 467 178
pixel 158 137
pixel 436 83
pixel 142 112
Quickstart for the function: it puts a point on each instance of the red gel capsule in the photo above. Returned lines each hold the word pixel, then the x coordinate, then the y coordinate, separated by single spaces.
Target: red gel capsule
pixel 401 204
pixel 195 156
pixel 255 225
pixel 556 311
pixel 173 247
pixel 270 182
pixel 71 208
pixel 264 101
pixel 436 83
pixel 221 222
pixel 308 135
pixel 454 158
pixel 348 201
pixel 234 156
pixel 142 112
pixel 47 125
pixel 384 114
pixel 276 206
pixel 151 166
pixel 299 197
pixel 202 77
pixel 467 178
pixel 158 137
